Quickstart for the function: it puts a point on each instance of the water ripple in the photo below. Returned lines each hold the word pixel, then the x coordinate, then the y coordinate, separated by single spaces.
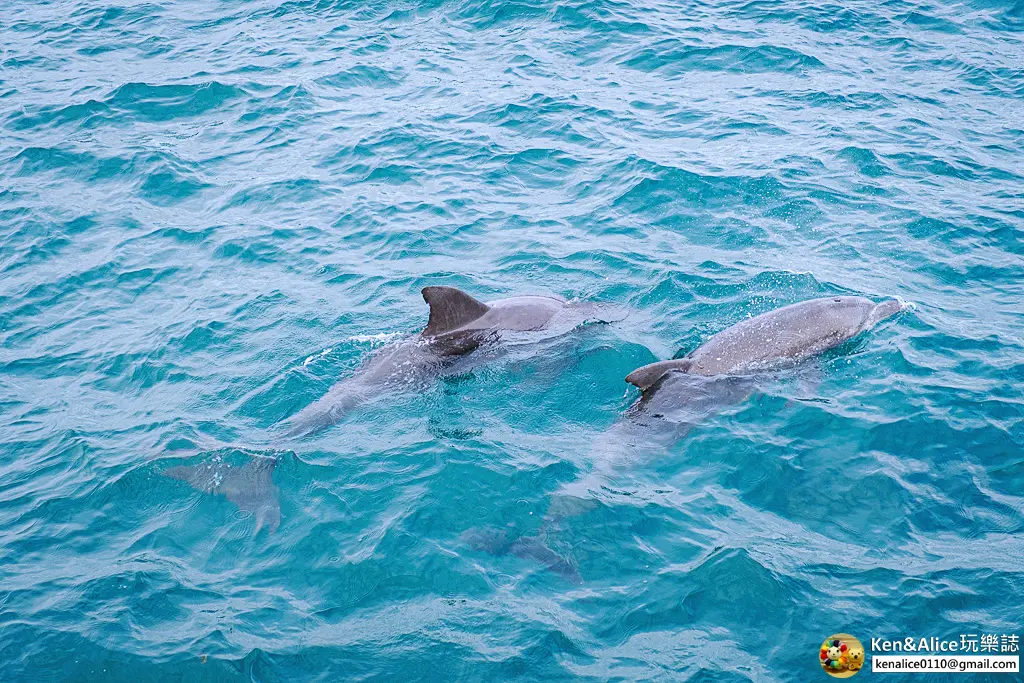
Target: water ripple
pixel 213 211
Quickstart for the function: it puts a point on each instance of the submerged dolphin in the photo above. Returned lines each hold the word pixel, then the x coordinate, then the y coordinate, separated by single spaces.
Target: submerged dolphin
pixel 678 394
pixel 526 548
pixel 458 324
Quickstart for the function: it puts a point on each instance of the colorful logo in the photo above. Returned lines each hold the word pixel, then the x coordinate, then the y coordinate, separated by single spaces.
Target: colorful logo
pixel 841 655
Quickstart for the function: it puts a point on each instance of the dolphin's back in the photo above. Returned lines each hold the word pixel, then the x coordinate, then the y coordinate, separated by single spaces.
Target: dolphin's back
pixel 786 334
pixel 453 313
pixel 519 313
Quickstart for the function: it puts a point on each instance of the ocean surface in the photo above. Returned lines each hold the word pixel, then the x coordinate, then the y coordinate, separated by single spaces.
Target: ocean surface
pixel 212 211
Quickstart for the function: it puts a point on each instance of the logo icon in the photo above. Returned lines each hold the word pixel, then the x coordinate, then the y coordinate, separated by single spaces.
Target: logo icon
pixel 841 655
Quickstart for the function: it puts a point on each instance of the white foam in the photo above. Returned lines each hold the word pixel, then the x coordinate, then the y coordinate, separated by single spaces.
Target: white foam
pixel 375 339
pixel 317 356
pixel 905 305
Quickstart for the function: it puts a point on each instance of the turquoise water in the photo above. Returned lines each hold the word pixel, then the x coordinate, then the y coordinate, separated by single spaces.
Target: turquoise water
pixel 211 211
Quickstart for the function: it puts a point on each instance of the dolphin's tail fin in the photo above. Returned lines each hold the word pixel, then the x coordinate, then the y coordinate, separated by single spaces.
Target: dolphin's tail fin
pixel 450 309
pixel 250 486
pixel 524 547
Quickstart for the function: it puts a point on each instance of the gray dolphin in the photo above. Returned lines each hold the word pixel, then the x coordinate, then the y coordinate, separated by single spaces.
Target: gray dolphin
pixel 526 548
pixel 726 368
pixel 679 394
pixel 458 324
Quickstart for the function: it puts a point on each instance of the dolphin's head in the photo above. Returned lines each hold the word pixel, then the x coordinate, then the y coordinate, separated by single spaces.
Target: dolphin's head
pixel 886 309
pixel 856 314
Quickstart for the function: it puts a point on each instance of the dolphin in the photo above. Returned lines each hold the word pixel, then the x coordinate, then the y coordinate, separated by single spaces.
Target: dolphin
pixel 678 394
pixel 526 548
pixel 458 324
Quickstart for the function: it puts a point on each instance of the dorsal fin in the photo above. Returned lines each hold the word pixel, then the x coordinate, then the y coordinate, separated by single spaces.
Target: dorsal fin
pixel 644 378
pixel 450 309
